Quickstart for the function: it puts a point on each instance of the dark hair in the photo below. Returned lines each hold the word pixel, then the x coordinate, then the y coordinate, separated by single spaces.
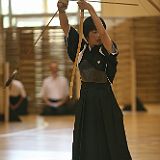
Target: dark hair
pixel 89 25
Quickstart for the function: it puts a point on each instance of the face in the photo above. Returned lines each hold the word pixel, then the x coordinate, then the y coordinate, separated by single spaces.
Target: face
pixel 94 38
pixel 53 68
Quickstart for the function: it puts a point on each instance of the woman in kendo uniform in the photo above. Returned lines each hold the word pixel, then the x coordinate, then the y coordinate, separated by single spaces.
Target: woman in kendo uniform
pixel 98 130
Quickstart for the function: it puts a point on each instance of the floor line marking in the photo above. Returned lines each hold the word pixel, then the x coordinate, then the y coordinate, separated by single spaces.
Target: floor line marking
pixel 45 125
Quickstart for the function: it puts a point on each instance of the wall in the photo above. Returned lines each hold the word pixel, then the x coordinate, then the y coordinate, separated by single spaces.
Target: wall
pixel 144 9
pixel 138 40
pixel 1 65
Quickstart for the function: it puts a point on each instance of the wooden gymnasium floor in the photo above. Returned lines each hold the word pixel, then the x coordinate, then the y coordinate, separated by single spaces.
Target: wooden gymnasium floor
pixel 49 138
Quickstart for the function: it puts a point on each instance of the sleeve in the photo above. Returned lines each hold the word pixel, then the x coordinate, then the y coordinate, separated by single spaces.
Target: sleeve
pixel 114 52
pixel 72 43
pixel 111 61
pixel 22 91
pixel 42 91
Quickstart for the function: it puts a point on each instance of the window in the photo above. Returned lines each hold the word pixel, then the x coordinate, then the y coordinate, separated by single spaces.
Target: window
pixel 5 6
pixel 38 12
pixel 27 6
pixel 52 6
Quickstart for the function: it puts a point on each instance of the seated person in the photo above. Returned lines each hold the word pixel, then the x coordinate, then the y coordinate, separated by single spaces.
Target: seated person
pixel 18 102
pixel 18 98
pixel 55 93
pixel 139 106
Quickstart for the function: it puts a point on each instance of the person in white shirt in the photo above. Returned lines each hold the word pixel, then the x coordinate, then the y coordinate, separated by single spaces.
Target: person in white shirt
pixel 18 98
pixel 18 102
pixel 54 92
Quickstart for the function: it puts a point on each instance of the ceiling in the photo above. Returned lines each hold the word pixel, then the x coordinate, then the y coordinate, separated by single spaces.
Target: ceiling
pixel 144 8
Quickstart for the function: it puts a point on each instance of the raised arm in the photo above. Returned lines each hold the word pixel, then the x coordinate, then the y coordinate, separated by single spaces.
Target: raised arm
pixel 104 36
pixel 62 6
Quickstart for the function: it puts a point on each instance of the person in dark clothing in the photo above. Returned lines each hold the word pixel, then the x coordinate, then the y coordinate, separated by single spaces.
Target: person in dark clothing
pixel 139 106
pixel 18 99
pixel 98 129
pixel 18 102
